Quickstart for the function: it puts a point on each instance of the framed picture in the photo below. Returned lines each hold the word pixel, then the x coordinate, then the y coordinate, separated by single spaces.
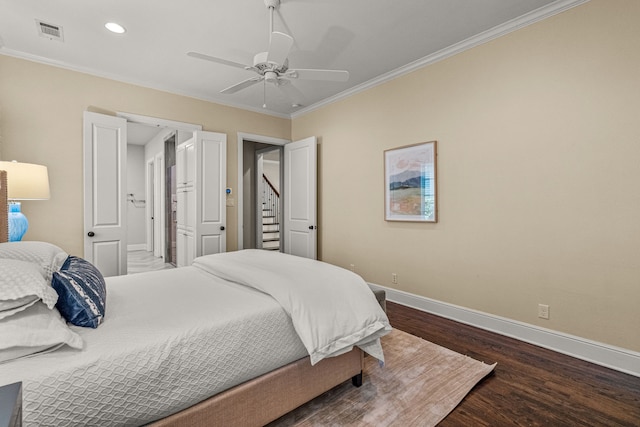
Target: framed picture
pixel 410 183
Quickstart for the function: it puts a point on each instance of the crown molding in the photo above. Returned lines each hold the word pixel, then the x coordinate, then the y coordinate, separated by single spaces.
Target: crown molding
pixel 484 37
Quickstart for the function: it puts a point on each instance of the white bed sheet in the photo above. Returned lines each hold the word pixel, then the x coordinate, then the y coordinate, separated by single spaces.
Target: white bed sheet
pixel 146 361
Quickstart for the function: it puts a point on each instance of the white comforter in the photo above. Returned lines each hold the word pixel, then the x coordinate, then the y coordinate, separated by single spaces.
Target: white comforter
pixel 332 309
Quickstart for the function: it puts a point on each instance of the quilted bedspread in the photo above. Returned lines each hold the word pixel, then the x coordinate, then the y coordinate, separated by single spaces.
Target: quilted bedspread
pixel 169 339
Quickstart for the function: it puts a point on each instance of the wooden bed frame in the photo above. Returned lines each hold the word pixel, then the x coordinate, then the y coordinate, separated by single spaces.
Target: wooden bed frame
pixel 268 397
pixel 4 208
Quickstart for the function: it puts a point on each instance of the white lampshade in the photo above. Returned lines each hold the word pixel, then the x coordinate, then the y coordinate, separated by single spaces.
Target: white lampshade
pixel 26 181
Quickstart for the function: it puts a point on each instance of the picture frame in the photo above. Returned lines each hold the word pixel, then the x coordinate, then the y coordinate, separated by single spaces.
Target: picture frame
pixel 410 181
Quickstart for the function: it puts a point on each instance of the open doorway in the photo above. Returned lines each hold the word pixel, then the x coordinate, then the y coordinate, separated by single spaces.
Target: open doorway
pixel 141 179
pixel 151 146
pixel 146 236
pixel 249 204
pixel 269 217
pixel 298 193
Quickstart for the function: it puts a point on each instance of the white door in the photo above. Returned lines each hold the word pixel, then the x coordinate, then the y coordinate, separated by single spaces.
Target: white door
pixel 105 182
pixel 210 198
pixel 299 194
pixel 158 206
pixel 150 205
pixel 259 199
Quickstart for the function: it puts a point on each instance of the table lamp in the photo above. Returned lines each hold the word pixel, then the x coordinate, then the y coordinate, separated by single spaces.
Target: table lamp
pixel 25 181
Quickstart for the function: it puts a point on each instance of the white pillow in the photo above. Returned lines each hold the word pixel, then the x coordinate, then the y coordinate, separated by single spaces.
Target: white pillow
pixel 33 331
pixel 21 285
pixel 11 306
pixel 48 256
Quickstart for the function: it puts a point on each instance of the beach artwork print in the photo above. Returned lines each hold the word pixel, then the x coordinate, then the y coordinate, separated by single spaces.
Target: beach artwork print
pixel 410 183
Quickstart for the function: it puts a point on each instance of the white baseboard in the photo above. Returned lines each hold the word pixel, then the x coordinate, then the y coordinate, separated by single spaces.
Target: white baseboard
pixel 138 247
pixel 617 358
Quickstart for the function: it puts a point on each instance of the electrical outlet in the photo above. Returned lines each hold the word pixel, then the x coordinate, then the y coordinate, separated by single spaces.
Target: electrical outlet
pixel 394 278
pixel 543 311
pixel 352 267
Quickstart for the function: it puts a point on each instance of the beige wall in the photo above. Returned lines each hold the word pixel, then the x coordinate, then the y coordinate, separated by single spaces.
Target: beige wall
pixel 539 172
pixel 41 122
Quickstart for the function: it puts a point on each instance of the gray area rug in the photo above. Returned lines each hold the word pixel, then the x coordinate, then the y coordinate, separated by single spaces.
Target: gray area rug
pixel 419 385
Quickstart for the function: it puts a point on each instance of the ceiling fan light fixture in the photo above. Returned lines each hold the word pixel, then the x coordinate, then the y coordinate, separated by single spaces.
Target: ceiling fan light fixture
pixel 114 27
pixel 271 77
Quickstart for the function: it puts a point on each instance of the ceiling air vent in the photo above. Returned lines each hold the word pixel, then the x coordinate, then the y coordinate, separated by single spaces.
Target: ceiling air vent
pixel 49 31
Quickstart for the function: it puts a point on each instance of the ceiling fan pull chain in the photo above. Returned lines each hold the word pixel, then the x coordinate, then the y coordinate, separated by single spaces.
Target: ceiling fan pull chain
pixel 264 94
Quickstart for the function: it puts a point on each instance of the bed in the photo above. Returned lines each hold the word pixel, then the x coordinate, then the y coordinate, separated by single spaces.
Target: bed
pixel 235 339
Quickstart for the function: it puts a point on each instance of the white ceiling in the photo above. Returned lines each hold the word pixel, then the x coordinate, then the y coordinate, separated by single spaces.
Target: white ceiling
pixel 141 134
pixel 372 39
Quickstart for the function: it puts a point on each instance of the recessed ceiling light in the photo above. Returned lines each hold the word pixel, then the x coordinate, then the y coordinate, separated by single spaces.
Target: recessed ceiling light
pixel 115 28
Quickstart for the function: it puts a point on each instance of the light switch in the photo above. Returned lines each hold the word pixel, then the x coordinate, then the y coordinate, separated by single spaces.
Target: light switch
pixel 231 202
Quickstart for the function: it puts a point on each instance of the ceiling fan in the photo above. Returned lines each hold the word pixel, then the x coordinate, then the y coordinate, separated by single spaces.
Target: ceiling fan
pixel 272 66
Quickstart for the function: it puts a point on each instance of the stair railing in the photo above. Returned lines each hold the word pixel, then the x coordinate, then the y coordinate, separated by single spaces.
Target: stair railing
pixel 271 199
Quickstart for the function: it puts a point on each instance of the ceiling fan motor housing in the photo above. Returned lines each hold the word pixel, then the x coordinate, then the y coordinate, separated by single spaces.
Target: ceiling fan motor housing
pixel 260 63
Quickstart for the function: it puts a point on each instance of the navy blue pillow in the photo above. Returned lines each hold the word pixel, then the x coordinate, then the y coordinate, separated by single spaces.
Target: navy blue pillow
pixel 82 292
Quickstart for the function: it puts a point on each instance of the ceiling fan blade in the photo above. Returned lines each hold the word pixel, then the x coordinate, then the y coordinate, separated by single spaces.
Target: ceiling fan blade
pixel 293 93
pixel 279 47
pixel 327 75
pixel 218 60
pixel 242 85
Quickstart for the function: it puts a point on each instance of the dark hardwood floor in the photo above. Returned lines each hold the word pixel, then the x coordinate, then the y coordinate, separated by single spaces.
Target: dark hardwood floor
pixel 531 386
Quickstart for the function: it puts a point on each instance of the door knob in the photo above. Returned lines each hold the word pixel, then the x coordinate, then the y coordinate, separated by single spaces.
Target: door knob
pixel 222 228
pixel 91 234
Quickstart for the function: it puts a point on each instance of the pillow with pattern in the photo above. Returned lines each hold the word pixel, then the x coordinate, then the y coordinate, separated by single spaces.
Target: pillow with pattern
pixel 21 285
pixel 48 256
pixel 82 292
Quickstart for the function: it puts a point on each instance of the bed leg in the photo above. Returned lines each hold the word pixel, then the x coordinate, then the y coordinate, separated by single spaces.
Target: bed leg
pixel 356 380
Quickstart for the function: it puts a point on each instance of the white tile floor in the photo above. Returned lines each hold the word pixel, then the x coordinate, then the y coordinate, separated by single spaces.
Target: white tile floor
pixel 141 261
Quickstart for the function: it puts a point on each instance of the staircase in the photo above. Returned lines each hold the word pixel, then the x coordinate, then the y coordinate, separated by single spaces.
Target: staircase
pixel 270 216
